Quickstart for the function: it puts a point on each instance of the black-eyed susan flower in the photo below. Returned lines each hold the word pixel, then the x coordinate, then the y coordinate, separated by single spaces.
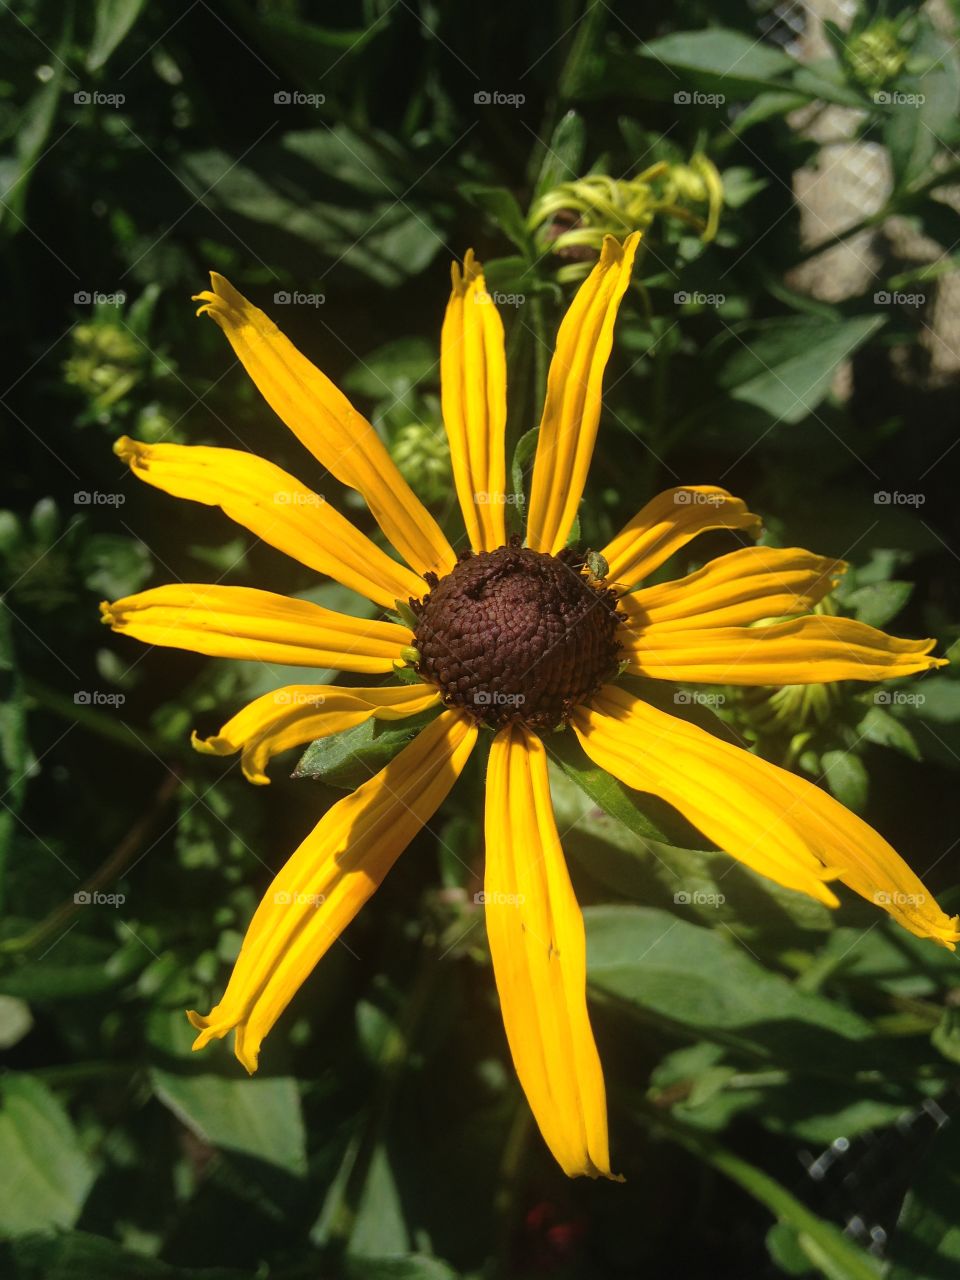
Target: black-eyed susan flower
pixel 518 640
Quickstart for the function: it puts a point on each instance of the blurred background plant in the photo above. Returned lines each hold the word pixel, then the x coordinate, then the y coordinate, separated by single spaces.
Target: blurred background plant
pixel 783 1080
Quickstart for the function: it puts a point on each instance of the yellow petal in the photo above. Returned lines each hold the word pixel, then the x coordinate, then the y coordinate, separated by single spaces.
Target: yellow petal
pixel 816 649
pixel 473 379
pixel 241 622
pixel 277 509
pixel 667 523
pixel 743 587
pixel 780 825
pixel 328 425
pixel 328 879
pixel 301 713
pixel 538 949
pixel 571 413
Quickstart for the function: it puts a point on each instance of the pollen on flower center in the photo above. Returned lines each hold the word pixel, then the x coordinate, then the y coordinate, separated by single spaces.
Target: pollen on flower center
pixel 517 635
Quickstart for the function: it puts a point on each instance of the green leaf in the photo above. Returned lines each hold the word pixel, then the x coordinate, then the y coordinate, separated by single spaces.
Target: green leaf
pixel 114 565
pixel 847 778
pixel 645 815
pixel 260 1117
pixel 346 759
pixel 32 133
pixel 707 983
pixel 786 366
pixel 113 22
pixel 500 206
pixel 14 749
pixel 926 1244
pixel 884 730
pixel 921 108
pixel 394 368
pixel 46 1172
pixel 413 1266
pixel 720 53
pixel 563 158
pixel 711 886
pixel 79 1256
pixel 878 602
pixel 823 1244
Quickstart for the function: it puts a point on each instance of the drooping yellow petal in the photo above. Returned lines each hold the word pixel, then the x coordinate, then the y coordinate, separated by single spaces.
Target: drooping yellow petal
pixel 667 523
pixel 328 425
pixel 571 413
pixel 816 649
pixel 780 825
pixel 473 380
pixel 300 713
pixel 242 622
pixel 743 587
pixel 538 948
pixel 328 879
pixel 276 508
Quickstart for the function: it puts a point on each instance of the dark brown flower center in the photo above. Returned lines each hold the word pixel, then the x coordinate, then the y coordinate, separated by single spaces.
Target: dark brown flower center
pixel 514 634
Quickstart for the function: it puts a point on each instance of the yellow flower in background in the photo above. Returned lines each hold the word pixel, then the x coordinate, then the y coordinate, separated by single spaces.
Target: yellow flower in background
pixel 517 640
pixel 575 217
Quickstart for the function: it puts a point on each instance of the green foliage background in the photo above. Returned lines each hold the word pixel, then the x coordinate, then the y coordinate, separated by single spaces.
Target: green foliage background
pixel 782 1079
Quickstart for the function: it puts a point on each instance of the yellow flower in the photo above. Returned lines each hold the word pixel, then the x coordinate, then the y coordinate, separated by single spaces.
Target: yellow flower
pixel 518 640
